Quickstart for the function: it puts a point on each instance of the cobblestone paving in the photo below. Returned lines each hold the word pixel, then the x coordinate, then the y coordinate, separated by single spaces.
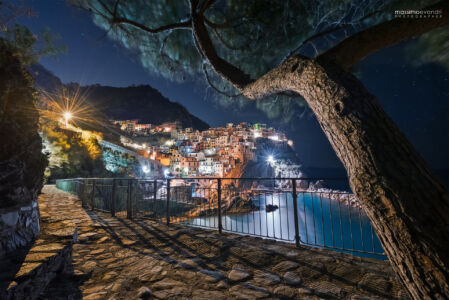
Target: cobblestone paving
pixel 117 258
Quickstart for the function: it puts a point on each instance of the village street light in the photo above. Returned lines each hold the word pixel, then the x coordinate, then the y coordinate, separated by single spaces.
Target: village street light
pixel 67 117
pixel 145 169
pixel 270 159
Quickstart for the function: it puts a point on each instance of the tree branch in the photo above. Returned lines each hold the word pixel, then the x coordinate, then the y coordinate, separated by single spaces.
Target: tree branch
pixel 206 5
pixel 181 25
pixel 225 43
pixel 226 24
pixel 207 50
pixel 330 30
pixel 277 81
pixel 116 7
pixel 356 47
pixel 114 18
pixel 209 81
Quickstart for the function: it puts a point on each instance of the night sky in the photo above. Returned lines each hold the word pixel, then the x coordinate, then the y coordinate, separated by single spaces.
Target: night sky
pixel 417 98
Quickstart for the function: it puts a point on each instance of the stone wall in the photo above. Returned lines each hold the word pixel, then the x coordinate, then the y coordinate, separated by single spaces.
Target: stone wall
pixel 21 160
pixel 18 226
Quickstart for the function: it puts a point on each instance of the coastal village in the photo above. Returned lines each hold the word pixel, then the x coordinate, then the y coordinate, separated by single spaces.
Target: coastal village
pixel 214 152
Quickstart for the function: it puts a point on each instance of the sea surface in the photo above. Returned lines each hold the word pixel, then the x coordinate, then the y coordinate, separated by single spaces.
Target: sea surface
pixel 322 222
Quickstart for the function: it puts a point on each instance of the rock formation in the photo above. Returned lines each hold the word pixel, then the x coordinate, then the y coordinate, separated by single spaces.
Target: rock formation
pixel 21 160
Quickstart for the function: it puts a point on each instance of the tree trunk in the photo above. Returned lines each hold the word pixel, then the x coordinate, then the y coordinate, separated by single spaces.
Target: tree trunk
pixel 408 207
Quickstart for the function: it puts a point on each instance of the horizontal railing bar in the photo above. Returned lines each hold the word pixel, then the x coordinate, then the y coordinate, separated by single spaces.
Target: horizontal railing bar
pixel 212 178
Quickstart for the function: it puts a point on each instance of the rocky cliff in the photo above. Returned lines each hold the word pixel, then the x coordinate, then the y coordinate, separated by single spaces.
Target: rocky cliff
pixel 282 153
pixel 287 164
pixel 21 160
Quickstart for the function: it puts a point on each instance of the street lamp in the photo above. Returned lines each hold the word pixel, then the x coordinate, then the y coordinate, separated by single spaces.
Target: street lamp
pixel 145 169
pixel 67 117
pixel 270 159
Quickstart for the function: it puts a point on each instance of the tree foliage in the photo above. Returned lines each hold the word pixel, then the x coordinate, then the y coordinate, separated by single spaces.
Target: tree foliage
pixel 255 36
pixel 28 46
pixel 432 47
pixel 121 164
pixel 71 154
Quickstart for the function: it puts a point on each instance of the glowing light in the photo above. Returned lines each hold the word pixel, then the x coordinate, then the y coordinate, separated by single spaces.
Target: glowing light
pixel 290 143
pixel 274 138
pixel 257 134
pixel 186 170
pixel 67 105
pixel 209 151
pixel 67 117
pixel 145 169
pixel 136 146
pixel 166 172
pixel 270 159
pixel 153 155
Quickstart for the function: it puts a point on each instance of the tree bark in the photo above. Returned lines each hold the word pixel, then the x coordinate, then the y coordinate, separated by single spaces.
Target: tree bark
pixel 408 207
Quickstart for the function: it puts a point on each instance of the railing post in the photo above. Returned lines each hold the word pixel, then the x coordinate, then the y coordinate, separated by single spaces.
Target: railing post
pixel 128 200
pixel 154 193
pixel 92 197
pixel 295 211
pixel 81 195
pixel 168 201
pixel 114 186
pixel 220 227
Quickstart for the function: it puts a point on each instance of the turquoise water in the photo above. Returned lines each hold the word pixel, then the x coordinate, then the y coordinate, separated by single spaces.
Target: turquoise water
pixel 322 222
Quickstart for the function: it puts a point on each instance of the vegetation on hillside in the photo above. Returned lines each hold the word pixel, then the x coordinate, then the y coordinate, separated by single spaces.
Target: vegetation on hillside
pixel 71 154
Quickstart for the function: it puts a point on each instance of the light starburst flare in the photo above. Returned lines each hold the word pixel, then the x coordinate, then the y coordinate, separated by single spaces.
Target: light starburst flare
pixel 66 105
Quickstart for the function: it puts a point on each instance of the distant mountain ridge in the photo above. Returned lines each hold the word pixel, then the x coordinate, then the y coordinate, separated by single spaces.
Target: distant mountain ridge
pixel 141 102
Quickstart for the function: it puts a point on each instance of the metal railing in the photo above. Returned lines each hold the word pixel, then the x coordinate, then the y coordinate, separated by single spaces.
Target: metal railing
pixel 275 208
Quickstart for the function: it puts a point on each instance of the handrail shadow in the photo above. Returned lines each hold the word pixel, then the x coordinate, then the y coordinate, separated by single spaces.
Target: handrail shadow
pixel 181 250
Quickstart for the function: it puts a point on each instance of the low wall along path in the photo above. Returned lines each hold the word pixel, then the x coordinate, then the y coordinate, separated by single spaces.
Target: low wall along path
pixel 116 258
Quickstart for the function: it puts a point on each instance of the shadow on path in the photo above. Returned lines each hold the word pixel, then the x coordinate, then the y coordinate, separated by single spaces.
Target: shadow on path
pixel 203 251
pixel 10 265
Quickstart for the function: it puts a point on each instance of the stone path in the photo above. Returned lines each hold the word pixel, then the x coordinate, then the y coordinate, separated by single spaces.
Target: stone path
pixel 25 272
pixel 117 258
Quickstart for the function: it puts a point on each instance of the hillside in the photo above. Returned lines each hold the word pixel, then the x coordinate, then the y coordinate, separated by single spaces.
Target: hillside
pixel 141 102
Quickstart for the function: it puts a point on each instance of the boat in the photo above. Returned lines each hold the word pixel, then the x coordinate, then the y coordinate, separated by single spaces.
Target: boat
pixel 271 207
